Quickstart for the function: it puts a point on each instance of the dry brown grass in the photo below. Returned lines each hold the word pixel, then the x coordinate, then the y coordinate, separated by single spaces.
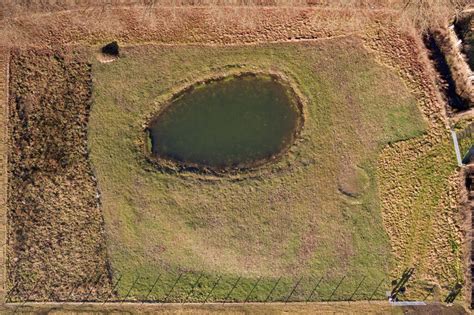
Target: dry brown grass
pixel 421 14
pixel 459 68
pixel 55 234
pixel 184 25
pixel 4 60
pixel 429 239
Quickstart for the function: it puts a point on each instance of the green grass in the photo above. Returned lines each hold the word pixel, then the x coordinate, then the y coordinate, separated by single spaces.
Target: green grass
pixel 288 220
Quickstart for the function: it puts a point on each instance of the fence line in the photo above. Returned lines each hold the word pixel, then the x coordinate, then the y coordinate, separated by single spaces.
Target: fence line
pixel 182 290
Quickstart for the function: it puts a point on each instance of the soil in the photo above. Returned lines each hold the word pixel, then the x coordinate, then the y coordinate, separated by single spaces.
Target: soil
pixel 238 308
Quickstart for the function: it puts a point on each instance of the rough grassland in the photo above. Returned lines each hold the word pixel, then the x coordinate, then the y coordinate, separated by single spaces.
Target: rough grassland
pixel 55 233
pixel 183 24
pixel 418 180
pixel 315 212
pixel 413 190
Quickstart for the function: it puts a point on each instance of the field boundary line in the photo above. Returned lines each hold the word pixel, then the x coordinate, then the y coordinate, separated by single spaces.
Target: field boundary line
pixel 242 44
pixel 4 66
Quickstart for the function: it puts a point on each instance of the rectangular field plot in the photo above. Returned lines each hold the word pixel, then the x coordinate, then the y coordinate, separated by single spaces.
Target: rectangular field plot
pixel 314 212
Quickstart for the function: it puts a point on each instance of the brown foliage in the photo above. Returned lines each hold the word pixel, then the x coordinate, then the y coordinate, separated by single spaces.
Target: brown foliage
pixel 55 231
pixel 459 69
pixel 420 13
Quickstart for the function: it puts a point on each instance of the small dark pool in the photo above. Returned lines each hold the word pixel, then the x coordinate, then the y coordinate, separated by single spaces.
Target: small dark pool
pixel 234 122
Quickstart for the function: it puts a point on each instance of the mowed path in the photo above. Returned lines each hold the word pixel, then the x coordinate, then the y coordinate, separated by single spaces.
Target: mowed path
pixel 4 58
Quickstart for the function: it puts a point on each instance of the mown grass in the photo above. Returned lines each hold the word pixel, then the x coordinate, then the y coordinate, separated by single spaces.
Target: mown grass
pixel 293 220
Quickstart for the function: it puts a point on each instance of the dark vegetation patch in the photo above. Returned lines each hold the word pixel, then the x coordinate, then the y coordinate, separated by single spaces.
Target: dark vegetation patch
pixel 55 237
pixel 464 27
pixel 111 49
pixel 447 83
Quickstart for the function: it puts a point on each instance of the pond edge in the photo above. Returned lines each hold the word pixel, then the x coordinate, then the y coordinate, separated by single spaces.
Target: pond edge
pixel 208 173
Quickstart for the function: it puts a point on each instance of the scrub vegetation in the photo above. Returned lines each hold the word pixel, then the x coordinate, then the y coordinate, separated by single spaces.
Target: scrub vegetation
pixel 55 232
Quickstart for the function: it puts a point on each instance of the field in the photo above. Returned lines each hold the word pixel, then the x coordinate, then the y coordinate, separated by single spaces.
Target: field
pixel 234 226
pixel 369 188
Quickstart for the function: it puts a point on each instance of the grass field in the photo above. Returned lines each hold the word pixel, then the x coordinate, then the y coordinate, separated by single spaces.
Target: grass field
pixel 315 212
pixel 369 188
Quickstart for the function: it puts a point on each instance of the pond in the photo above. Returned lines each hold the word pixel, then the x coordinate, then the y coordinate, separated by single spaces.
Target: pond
pixel 235 122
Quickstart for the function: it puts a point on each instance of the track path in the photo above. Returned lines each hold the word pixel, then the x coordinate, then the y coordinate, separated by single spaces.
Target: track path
pixel 4 61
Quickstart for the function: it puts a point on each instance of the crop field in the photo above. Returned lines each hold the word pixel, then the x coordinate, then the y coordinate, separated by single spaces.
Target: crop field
pixel 369 187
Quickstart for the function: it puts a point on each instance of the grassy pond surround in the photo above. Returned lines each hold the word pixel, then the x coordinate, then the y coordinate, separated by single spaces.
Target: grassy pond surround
pixel 287 218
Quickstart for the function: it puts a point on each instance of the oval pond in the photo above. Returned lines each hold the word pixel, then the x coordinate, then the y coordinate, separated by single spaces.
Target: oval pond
pixel 235 122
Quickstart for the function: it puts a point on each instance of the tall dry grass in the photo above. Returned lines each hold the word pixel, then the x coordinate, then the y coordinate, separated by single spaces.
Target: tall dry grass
pixel 460 71
pixel 419 13
pixel 425 14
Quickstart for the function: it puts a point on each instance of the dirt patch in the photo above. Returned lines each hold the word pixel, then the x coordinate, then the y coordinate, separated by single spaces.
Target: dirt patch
pixel 55 237
pixel 239 308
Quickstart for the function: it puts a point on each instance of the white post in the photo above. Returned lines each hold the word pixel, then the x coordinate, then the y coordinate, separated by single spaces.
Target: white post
pixel 456 148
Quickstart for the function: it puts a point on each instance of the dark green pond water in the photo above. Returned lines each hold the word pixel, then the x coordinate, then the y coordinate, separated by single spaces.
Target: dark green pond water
pixel 235 122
